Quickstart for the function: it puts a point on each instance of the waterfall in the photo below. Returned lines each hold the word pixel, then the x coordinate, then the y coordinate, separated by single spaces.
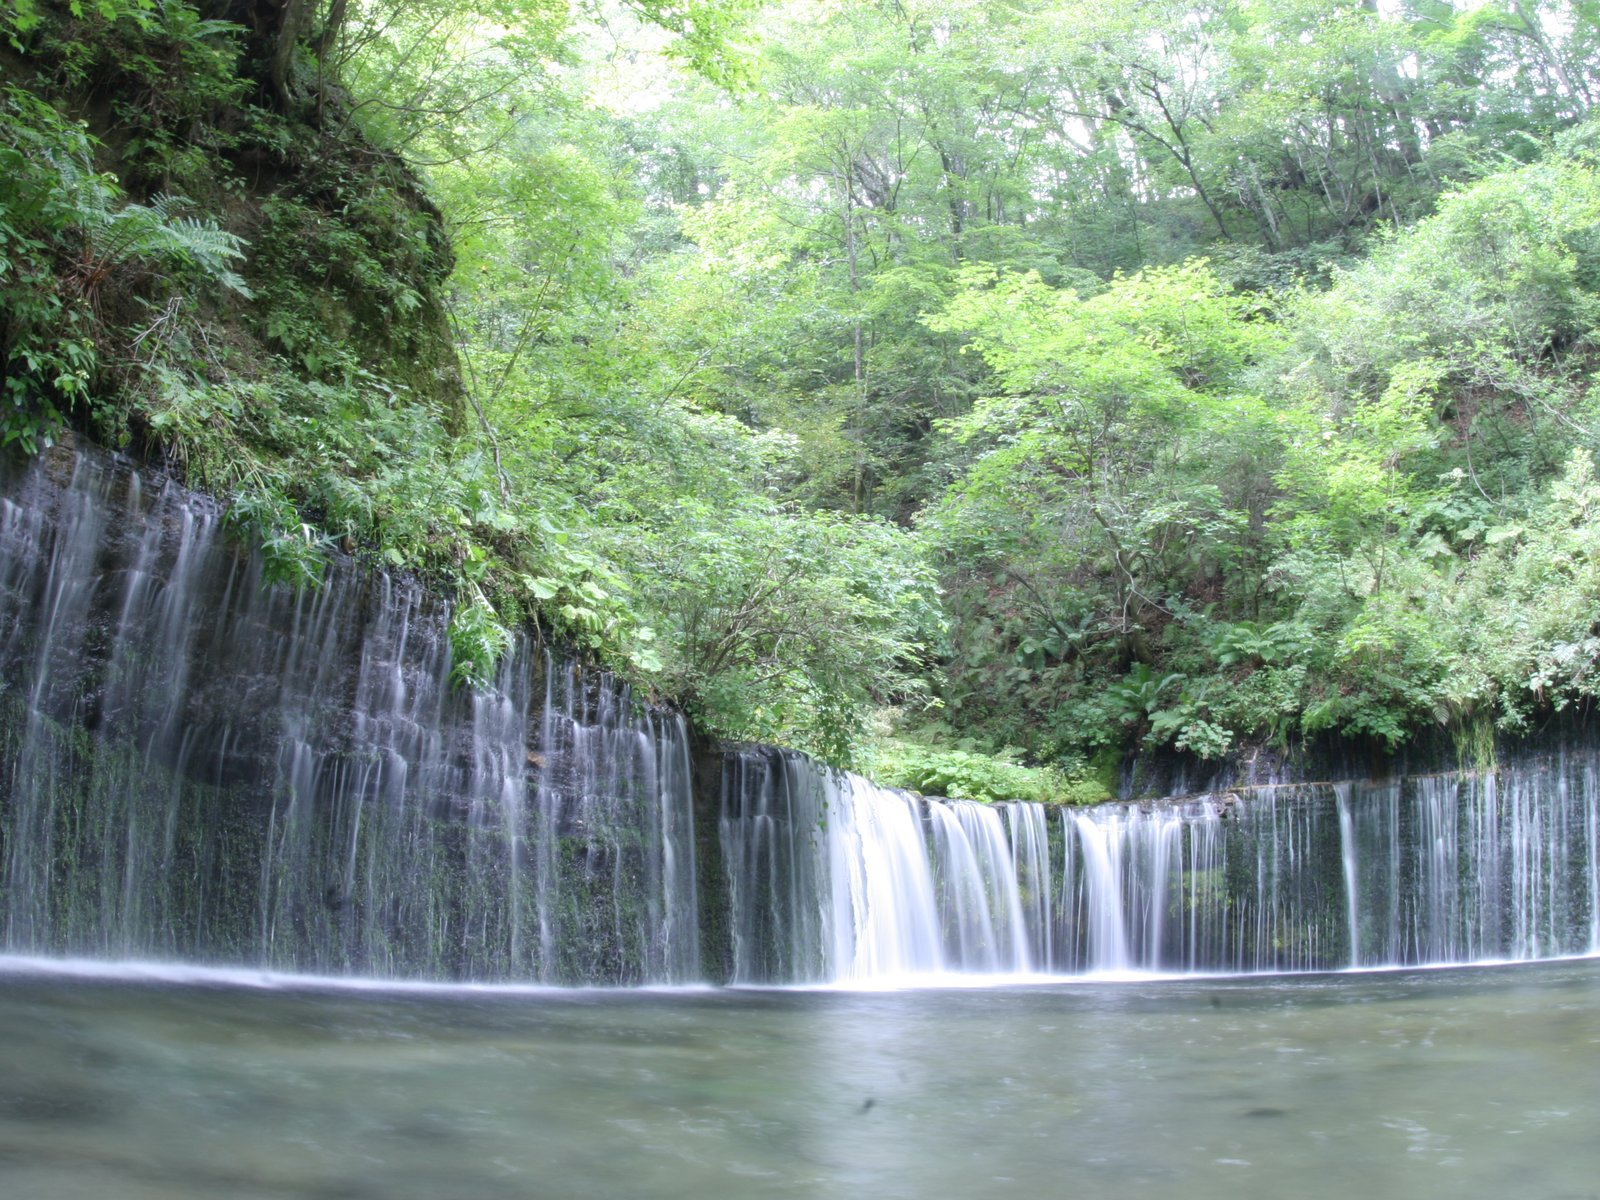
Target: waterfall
pixel 1029 837
pixel 829 876
pixel 1435 869
pixel 832 878
pixel 197 764
pixel 1105 924
pixel 1347 854
pixel 200 765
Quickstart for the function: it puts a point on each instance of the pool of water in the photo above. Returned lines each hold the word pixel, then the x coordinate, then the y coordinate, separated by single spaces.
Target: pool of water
pixel 139 1083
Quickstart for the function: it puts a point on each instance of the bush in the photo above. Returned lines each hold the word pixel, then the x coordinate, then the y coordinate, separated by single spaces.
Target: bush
pixel 971 774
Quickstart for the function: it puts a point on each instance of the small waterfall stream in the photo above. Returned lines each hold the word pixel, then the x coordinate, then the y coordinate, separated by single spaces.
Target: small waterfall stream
pixel 205 767
pixel 1347 848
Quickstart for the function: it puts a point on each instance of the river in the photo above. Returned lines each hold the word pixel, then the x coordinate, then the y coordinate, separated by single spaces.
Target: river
pixel 176 1083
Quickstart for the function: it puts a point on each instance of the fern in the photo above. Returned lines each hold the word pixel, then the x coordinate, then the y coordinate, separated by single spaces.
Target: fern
pixel 478 641
pixel 158 232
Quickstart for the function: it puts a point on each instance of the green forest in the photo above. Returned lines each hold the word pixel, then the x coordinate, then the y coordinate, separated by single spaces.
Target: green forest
pixel 972 392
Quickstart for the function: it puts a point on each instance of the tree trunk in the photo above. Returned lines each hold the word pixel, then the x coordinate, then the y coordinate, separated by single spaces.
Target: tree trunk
pixel 281 66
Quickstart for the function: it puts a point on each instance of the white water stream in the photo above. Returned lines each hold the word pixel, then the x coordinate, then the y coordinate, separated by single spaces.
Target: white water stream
pixel 834 879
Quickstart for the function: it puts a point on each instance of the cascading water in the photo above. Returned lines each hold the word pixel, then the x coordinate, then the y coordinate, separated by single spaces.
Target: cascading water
pixel 832 878
pixel 206 767
pixel 1102 911
pixel 1445 869
pixel 1347 845
pixel 198 765
pixel 1029 833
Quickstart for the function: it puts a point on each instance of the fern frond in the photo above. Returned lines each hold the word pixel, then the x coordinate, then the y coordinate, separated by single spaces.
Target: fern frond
pixel 158 232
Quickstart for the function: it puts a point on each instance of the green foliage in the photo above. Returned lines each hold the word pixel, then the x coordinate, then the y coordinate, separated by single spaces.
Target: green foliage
pixel 45 184
pixel 73 253
pixel 789 624
pixel 1109 377
pixel 1093 491
pixel 161 235
pixel 708 33
pixel 25 17
pixel 968 775
pixel 1136 698
pixel 478 641
pixel 1251 642
pixel 1526 617
pixel 164 71
pixel 1320 580
pixel 292 553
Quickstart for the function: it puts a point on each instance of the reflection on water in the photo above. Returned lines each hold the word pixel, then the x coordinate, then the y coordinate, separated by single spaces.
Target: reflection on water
pixel 1477 1082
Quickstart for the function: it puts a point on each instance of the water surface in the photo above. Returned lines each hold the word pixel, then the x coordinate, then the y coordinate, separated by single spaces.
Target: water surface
pixel 1468 1082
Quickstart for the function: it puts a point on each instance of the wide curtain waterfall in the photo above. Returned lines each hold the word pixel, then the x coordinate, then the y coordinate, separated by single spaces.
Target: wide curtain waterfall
pixel 199 765
pixel 834 879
